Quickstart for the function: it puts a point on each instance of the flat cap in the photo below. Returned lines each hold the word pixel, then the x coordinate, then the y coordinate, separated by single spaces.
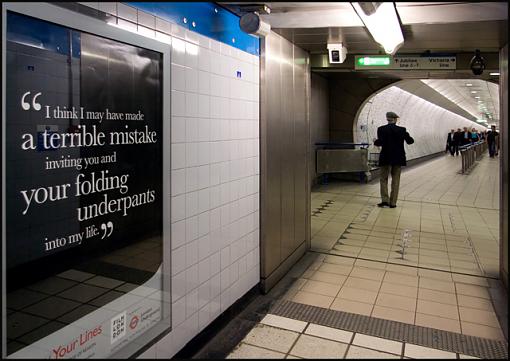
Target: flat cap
pixel 391 115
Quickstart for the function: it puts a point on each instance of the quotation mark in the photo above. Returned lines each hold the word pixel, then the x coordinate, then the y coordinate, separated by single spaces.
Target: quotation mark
pixel 26 106
pixel 107 229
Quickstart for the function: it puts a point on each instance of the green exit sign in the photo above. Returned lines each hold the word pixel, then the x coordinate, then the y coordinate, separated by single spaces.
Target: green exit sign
pixel 373 61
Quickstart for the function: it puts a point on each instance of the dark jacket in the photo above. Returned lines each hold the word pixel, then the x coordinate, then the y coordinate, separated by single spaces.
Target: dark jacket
pixel 450 138
pixel 457 138
pixel 466 138
pixel 491 137
pixel 391 138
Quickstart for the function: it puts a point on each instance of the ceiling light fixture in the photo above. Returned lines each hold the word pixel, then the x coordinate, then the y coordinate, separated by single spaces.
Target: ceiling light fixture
pixel 469 84
pixel 382 22
pixel 473 92
pixel 494 73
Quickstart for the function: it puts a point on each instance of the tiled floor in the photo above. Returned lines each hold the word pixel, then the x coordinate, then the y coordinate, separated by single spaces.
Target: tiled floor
pixel 453 219
pixel 432 299
pixel 44 307
pixel 280 337
pixel 436 299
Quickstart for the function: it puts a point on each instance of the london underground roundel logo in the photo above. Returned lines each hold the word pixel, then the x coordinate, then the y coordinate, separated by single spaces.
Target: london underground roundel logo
pixel 134 322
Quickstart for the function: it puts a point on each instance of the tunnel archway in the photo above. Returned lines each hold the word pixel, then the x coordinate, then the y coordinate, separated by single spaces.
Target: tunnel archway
pixel 426 114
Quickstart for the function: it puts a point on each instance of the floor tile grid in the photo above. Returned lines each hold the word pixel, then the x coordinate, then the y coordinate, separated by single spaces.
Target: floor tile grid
pixel 122 256
pixel 473 269
pixel 421 182
pixel 377 344
pixel 430 318
pixel 60 317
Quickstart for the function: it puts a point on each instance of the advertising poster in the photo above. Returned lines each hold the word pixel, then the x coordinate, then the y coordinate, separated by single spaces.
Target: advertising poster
pixel 83 191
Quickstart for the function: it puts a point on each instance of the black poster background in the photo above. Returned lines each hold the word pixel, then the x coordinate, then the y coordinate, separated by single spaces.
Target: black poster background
pixel 101 74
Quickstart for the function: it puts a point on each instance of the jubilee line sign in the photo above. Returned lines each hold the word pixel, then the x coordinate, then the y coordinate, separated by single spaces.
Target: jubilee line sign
pixel 379 62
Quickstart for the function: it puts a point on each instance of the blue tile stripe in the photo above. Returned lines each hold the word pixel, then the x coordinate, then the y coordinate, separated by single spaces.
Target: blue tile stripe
pixel 210 20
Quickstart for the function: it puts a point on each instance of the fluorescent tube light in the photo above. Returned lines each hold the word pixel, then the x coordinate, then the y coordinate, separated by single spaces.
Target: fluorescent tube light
pixel 383 25
pixel 493 73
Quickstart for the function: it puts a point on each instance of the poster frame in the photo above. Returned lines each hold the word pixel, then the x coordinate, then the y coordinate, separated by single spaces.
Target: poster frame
pixel 80 22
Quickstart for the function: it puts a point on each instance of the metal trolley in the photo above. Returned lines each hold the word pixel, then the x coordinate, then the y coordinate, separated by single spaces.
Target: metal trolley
pixel 342 158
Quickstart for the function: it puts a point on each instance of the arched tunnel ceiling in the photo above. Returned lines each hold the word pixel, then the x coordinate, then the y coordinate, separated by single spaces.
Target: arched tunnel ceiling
pixel 455 96
pixel 478 98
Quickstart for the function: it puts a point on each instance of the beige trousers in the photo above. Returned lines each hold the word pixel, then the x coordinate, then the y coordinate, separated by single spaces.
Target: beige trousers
pixel 395 182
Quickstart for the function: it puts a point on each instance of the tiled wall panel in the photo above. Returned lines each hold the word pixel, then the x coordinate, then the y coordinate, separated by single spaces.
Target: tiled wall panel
pixel 426 122
pixel 214 176
pixel 215 184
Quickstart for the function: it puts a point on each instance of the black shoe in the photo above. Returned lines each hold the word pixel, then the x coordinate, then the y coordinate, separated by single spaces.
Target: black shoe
pixel 395 206
pixel 383 204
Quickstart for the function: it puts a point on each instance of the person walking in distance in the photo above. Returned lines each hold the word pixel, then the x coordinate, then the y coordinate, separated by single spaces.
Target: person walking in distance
pixel 466 137
pixel 449 142
pixel 391 138
pixel 457 140
pixel 492 141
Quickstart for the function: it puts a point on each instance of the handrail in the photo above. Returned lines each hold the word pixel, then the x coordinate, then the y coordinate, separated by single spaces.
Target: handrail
pixel 335 145
pixel 471 144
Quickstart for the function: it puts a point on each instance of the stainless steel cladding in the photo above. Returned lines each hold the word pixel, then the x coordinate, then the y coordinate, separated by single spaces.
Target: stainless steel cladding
pixel 285 134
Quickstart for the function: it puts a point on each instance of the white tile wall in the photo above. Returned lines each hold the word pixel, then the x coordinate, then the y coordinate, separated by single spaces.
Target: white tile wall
pixel 214 176
pixel 215 183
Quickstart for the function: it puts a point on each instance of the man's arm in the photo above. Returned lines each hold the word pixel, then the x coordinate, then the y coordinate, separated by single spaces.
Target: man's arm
pixel 378 142
pixel 408 138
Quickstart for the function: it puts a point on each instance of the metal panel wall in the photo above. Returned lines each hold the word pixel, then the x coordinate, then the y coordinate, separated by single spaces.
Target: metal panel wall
pixel 503 131
pixel 319 119
pixel 285 136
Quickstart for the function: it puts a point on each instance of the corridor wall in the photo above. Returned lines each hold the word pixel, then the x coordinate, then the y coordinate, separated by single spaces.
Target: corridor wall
pixel 426 122
pixel 503 131
pixel 215 183
pixel 319 119
pixel 285 137
pixel 214 170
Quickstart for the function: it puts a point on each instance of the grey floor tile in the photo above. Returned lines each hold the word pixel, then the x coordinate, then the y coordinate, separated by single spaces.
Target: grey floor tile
pixel 52 285
pixel 52 307
pixel 77 313
pixel 105 282
pixel 106 298
pixel 83 293
pixel 126 287
pixel 76 275
pixel 41 332
pixel 20 323
pixel 22 298
pixel 14 346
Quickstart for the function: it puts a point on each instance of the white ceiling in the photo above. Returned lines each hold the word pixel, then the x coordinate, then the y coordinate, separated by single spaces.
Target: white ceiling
pixel 435 26
pixel 341 14
pixel 481 99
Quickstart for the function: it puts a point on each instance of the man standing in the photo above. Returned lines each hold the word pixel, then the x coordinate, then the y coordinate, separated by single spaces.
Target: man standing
pixel 492 141
pixel 391 138
pixel 457 140
pixel 466 137
pixel 450 141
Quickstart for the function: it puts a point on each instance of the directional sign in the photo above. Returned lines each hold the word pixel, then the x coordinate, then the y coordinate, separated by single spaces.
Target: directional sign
pixel 375 62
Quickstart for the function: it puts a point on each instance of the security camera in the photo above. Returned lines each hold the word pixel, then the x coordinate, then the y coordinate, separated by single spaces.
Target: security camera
pixel 337 53
pixel 251 23
pixel 477 63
